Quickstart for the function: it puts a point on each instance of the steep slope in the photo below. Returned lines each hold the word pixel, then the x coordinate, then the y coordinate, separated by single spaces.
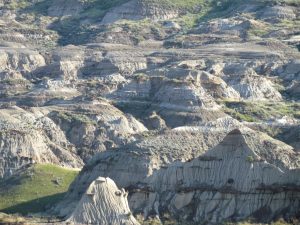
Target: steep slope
pixel 30 137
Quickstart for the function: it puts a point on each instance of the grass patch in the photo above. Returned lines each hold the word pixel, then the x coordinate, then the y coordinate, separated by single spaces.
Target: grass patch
pixel 239 116
pixel 259 32
pixel 184 5
pixel 288 24
pixel 35 189
pixel 261 111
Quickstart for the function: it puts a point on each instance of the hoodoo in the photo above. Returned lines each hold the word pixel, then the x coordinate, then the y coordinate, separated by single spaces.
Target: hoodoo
pixel 104 204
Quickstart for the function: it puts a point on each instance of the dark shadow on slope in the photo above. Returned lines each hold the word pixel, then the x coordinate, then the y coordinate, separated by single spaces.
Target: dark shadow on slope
pixel 39 8
pixel 226 8
pixel 71 28
pixel 35 206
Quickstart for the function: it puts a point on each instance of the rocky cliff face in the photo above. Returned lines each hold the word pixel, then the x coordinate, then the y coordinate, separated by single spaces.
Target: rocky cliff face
pixel 31 137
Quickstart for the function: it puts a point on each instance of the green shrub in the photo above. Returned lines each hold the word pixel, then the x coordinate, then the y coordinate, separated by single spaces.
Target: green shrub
pixel 71 117
pixel 250 159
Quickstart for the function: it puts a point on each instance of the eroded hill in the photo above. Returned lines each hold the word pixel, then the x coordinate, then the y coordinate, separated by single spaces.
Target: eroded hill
pixel 148 93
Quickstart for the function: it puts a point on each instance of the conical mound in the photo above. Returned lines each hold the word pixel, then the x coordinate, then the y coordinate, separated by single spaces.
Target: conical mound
pixel 256 145
pixel 234 144
pixel 103 203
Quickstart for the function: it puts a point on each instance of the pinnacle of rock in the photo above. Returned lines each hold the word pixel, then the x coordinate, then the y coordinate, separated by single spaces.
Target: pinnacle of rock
pixel 103 203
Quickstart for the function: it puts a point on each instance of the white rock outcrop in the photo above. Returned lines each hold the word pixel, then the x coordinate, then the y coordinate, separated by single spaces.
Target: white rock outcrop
pixel 104 204
pixel 249 84
pixel 20 60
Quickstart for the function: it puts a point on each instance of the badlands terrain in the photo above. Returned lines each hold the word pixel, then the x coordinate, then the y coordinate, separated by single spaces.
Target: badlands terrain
pixel 128 112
